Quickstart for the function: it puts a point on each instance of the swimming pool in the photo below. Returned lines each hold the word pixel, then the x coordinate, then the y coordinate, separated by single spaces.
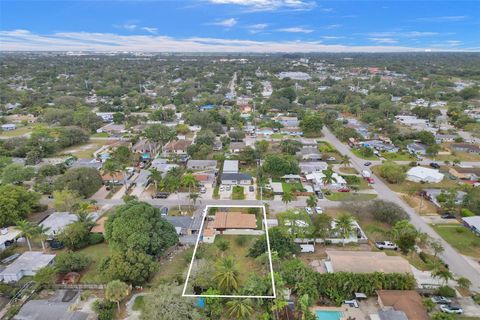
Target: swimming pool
pixel 328 315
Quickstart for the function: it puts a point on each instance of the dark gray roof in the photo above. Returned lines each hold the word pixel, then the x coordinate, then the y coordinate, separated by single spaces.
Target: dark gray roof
pixel 181 222
pixel 236 176
pixel 391 314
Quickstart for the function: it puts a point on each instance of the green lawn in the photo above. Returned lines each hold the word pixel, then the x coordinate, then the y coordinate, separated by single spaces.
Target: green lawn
pixel 401 156
pixel 360 155
pixel 238 193
pixel 350 196
pixel 287 187
pixel 139 303
pixel 85 150
pixel 101 135
pixel 95 253
pixel 172 269
pixel 462 239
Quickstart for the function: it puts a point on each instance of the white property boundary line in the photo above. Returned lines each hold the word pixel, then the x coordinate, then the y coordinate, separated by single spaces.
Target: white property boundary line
pixel 206 210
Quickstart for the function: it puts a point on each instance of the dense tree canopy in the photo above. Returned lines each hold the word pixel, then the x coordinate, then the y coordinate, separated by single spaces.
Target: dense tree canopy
pixel 16 203
pixel 84 181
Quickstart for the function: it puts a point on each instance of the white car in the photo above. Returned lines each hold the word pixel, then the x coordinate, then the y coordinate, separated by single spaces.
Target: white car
pixel 318 210
pixel 309 210
pixel 386 245
pixel 451 309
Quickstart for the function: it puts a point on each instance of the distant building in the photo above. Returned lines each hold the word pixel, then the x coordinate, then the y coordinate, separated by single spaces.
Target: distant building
pixel 8 236
pixel 422 174
pixel 9 127
pixel 473 223
pixel 58 221
pixel 202 164
pixel 408 301
pixel 465 147
pixel 365 262
pixel 465 173
pixel 417 149
pixel 177 146
pixel 26 265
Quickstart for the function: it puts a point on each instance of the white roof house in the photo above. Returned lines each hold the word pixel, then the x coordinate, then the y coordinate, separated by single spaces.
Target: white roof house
pixel 422 174
pixel 230 166
pixel 317 179
pixel 57 221
pixel 7 235
pixel 26 265
pixel 473 223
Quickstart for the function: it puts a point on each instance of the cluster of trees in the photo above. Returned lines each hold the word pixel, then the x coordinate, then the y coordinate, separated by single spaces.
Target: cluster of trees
pixel 278 165
pixel 392 172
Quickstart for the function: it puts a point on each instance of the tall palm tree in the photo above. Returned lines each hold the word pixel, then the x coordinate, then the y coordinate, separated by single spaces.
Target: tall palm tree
pixel 344 226
pixel 189 181
pixel 443 274
pixel 156 176
pixel 111 168
pixel 304 304
pixel 194 197
pixel 312 201
pixel 41 233
pixel 239 309
pixel 328 177
pixel 321 227
pixel 28 231
pixel 288 197
pixel 345 161
pixel 227 274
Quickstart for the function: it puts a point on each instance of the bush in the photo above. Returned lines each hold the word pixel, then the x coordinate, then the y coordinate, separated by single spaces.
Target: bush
pixel 7 291
pixel 466 213
pixel 104 309
pixel 75 236
pixel 95 238
pixel 241 240
pixel 71 261
pixel 446 291
pixel 387 212
pixel 392 172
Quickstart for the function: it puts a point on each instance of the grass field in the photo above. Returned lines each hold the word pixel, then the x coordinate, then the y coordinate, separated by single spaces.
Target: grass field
pixel 462 239
pixel 348 170
pixel 350 196
pixel 360 155
pixel 287 187
pixel 173 268
pixel 85 150
pixel 95 253
pixel 401 156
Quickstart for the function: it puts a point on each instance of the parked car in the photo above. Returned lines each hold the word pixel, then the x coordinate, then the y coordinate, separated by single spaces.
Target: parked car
pixel 228 188
pixel 251 189
pixel 160 195
pixel 203 190
pixel 320 195
pixel 367 164
pixel 441 300
pixel 222 188
pixel 448 215
pixel 386 245
pixel 309 210
pixel 370 180
pixel 318 210
pixel 447 308
pixel 344 189
pixel 434 165
pixel 164 211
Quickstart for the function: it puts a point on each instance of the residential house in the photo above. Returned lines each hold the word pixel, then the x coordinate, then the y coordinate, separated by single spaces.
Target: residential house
pixel 317 179
pixel 309 153
pixel 408 301
pixel 288 121
pixel 417 149
pixel 177 147
pixel 465 173
pixel 62 305
pixel 116 178
pixel 26 265
pixel 112 128
pixel 379 145
pixel 58 221
pixel 440 138
pixel 230 166
pixel 236 147
pixel 146 149
pixel 228 222
pixel 291 131
pixel 236 178
pixel 307 167
pixel 162 165
pixel 432 194
pixel 422 174
pixel 217 145
pixel 465 147
pixel 473 223
pixel 87 163
pixel 207 107
pixel 365 262
pixel 8 236
pixel 196 165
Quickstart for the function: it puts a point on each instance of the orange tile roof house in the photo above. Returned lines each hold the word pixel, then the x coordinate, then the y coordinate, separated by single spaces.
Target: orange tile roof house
pixel 177 146
pixel 234 220
pixel 408 301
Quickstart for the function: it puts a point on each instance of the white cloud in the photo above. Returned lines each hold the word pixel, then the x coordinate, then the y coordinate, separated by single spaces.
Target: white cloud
pixel 331 37
pixel 129 26
pixel 269 5
pixel 332 26
pixel 443 19
pixel 296 30
pixel 256 28
pixel 228 23
pixel 150 30
pixel 23 40
pixel 402 34
pixel 383 40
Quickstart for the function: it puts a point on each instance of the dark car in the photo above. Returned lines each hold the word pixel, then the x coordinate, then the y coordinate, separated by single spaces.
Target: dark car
pixel 367 164
pixel 160 195
pixel 164 211
pixel 435 165
pixel 251 189
pixel 448 215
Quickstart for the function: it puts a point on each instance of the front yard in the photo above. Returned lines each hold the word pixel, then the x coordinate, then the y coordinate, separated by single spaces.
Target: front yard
pixel 462 239
pixel 95 253
pixel 350 196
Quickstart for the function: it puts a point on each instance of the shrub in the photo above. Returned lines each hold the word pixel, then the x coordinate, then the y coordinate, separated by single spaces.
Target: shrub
pixel 387 212
pixel 95 238
pixel 104 309
pixel 392 172
pixel 460 230
pixel 466 213
pixel 241 240
pixel 446 291
pixel 71 261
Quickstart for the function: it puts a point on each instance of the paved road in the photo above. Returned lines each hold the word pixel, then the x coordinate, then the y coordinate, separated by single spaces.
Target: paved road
pixel 457 263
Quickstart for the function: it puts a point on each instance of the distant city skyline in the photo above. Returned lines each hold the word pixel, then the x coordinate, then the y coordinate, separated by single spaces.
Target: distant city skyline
pixel 239 26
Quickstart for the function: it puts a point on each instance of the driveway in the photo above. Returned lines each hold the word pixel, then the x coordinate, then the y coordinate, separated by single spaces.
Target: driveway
pixel 457 263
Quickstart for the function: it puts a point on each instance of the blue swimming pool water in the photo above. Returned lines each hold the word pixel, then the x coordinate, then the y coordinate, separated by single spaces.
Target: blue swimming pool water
pixel 328 315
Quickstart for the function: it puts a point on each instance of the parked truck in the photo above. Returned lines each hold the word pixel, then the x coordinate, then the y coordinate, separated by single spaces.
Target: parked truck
pixel 367 175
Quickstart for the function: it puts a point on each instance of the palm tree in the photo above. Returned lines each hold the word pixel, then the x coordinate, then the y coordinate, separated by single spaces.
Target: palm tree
pixel 304 304
pixel 312 201
pixel 322 227
pixel 287 197
pixel 464 283
pixel 443 274
pixel 41 233
pixel 111 168
pixel 239 309
pixel 227 274
pixel 28 231
pixel 345 161
pixel 344 226
pixel 328 177
pixel 156 176
pixel 194 197
pixel 189 181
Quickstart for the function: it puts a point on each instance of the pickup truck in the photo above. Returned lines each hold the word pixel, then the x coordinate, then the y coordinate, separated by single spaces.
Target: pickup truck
pixel 386 245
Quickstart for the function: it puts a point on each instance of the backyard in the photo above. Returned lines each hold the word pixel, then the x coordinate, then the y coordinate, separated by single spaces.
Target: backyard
pixel 95 253
pixel 86 150
pixel 462 239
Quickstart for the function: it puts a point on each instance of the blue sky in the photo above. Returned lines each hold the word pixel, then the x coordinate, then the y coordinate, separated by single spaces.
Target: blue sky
pixel 240 25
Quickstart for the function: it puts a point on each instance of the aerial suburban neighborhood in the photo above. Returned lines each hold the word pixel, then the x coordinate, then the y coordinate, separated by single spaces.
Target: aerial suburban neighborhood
pixel 162 184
